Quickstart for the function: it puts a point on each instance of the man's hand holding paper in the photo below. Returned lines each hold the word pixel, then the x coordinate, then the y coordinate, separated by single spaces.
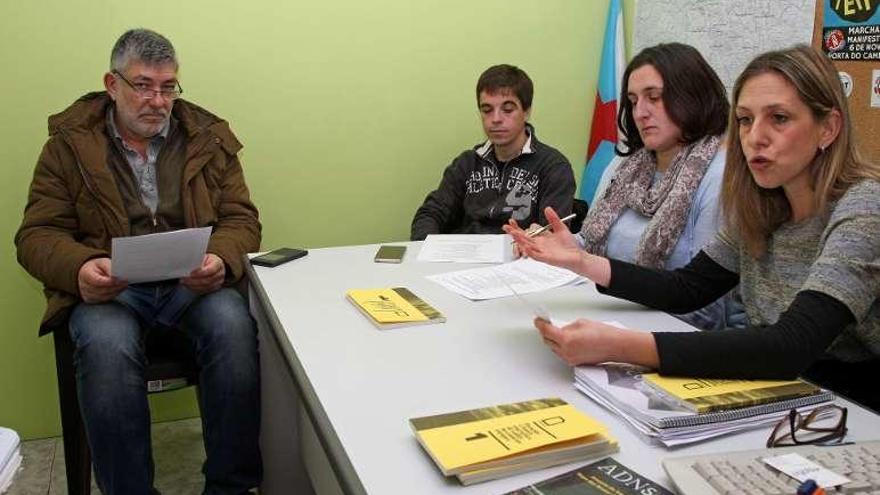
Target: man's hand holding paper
pixel 167 256
pixel 208 277
pixel 96 284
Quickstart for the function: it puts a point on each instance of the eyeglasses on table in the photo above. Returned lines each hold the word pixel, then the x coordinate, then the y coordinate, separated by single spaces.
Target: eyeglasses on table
pixel 823 424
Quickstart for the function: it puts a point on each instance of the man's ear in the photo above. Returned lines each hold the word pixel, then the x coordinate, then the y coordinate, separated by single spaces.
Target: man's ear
pixel 528 114
pixel 111 84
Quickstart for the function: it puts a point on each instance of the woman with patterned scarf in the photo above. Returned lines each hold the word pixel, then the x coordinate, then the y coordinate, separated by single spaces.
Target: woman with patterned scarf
pixel 659 205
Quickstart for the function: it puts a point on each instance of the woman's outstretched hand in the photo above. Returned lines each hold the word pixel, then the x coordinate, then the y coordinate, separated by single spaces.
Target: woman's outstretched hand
pixel 593 342
pixel 556 246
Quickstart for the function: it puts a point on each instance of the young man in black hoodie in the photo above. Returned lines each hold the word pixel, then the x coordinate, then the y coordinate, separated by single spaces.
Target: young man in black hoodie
pixel 511 175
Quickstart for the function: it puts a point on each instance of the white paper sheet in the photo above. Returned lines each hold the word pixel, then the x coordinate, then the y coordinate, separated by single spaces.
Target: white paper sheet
pixel 10 457
pixel 803 469
pixel 8 473
pixel 467 248
pixel 524 275
pixel 162 256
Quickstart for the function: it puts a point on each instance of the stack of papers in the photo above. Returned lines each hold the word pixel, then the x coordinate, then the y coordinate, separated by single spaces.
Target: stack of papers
pixel 10 457
pixel 522 276
pixel 467 248
pixel 618 388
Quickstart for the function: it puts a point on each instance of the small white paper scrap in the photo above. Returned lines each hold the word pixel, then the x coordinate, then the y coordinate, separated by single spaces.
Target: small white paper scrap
pixel 803 469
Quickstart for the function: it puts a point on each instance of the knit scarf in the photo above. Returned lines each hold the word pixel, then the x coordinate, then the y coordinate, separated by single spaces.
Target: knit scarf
pixel 666 202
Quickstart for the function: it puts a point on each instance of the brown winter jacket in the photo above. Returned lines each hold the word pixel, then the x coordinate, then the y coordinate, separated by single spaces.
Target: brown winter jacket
pixel 74 207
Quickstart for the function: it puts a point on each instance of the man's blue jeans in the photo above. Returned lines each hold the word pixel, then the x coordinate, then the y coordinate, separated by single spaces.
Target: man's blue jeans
pixel 110 364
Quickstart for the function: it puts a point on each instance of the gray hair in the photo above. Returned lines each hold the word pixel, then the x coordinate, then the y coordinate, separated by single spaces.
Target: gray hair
pixel 141 45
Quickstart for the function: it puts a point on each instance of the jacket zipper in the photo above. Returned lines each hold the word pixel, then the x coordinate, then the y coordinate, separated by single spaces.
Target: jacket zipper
pixel 504 168
pixel 87 181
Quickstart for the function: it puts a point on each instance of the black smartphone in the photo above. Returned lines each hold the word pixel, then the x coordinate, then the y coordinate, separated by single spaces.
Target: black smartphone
pixel 390 254
pixel 279 256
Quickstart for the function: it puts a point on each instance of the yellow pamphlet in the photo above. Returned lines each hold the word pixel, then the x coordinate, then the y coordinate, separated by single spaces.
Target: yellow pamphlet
pixel 393 307
pixel 704 395
pixel 487 443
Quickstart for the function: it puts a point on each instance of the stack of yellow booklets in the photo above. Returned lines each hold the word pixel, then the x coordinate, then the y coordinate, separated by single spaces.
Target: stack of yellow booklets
pixel 630 393
pixel 703 395
pixel 393 307
pixel 492 442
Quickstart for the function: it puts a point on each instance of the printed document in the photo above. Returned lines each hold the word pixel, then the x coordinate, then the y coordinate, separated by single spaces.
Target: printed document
pixel 522 276
pixel 467 248
pixel 162 256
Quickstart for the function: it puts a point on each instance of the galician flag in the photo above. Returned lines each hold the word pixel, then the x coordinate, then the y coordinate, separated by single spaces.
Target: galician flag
pixel 603 132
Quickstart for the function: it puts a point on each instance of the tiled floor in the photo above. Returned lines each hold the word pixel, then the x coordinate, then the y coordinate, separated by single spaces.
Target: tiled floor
pixel 177 452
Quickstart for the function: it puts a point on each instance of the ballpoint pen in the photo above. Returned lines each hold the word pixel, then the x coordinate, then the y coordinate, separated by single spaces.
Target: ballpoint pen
pixel 543 228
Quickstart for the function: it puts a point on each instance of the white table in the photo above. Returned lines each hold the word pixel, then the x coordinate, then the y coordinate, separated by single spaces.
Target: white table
pixel 359 385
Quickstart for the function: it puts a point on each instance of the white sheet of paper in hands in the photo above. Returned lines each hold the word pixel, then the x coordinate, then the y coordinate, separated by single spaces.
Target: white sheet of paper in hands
pixel 162 256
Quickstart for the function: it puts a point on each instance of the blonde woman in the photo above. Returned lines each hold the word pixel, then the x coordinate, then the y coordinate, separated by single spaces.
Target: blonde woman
pixel 801 236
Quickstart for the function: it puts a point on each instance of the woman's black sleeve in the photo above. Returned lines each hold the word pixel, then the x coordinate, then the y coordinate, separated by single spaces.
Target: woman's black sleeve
pixel 683 290
pixel 782 350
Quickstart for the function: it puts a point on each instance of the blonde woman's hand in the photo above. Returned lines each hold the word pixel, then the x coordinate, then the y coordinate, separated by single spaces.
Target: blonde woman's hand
pixel 579 342
pixel 592 342
pixel 533 227
pixel 557 246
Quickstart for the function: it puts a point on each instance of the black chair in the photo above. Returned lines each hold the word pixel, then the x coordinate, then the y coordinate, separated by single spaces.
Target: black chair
pixel 171 366
pixel 580 208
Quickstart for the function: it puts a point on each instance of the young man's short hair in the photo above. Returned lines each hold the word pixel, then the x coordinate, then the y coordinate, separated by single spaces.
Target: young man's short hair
pixel 507 77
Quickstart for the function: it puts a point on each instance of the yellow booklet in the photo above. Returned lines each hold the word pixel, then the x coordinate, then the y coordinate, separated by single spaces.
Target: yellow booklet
pixel 703 395
pixel 490 442
pixel 393 307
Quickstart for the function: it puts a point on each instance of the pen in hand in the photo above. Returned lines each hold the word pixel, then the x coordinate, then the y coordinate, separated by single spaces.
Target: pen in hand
pixel 544 228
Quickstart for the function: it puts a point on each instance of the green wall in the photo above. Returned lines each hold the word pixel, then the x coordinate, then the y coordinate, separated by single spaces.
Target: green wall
pixel 349 111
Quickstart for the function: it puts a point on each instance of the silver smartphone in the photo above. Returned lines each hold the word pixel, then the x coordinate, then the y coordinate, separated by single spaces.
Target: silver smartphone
pixel 390 254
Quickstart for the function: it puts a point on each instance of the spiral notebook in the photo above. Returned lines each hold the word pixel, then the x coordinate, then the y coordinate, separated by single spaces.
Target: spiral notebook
pixel 618 387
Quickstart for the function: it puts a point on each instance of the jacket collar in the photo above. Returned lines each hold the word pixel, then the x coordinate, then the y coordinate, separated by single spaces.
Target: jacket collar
pixel 89 111
pixel 527 149
pixel 83 127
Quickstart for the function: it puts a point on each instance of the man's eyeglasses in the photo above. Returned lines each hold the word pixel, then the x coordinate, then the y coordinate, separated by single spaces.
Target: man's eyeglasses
pixel 823 424
pixel 148 93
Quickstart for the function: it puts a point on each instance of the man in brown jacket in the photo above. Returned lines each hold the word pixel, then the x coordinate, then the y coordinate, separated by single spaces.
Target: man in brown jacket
pixel 135 160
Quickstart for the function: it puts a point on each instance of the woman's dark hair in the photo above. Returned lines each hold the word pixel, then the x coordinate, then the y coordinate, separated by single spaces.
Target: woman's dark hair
pixel 693 95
